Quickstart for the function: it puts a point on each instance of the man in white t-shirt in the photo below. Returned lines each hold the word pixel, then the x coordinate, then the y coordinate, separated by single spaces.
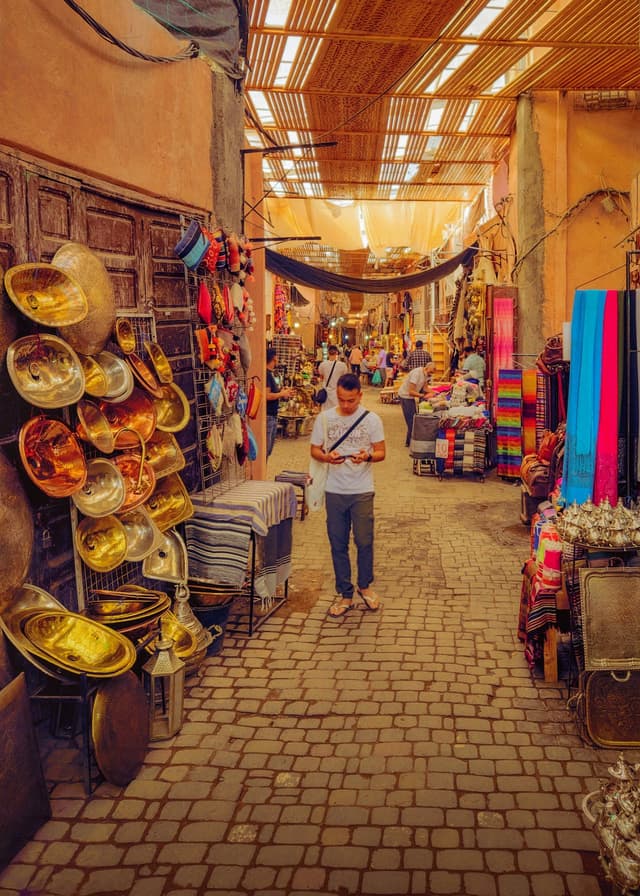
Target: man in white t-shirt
pixel 330 372
pixel 349 491
pixel 414 387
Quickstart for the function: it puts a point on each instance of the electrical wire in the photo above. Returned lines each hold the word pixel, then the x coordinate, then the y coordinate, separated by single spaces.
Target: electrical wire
pixel 191 51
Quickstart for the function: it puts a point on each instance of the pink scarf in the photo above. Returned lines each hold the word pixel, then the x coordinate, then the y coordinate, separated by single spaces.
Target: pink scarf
pixel 606 473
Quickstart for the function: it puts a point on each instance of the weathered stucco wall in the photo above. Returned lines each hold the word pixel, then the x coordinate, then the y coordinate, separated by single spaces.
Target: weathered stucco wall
pixel 562 154
pixel 71 98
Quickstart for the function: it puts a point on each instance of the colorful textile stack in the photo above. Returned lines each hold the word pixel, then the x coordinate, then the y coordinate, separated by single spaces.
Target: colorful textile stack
pixel 529 393
pixel 466 452
pixel 509 423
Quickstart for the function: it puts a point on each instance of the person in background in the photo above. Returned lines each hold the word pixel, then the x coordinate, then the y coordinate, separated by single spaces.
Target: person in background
pixel 414 386
pixel 273 393
pixel 419 356
pixel 355 359
pixel 330 372
pixel 349 492
pixel 473 365
pixel 390 368
pixel 381 366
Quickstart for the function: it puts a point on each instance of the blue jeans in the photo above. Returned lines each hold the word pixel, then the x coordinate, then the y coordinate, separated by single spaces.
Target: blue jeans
pixel 272 426
pixel 344 512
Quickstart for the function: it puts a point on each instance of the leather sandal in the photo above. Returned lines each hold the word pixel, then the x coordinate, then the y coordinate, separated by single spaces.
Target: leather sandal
pixel 340 607
pixel 371 600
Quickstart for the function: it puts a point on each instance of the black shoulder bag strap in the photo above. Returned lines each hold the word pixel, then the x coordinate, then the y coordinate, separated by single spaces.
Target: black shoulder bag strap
pixel 331 374
pixel 344 435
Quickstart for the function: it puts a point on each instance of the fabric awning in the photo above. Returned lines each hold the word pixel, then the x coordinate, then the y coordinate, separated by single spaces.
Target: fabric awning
pixel 305 274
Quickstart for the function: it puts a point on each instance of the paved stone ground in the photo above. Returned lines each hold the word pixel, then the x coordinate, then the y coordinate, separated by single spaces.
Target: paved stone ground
pixel 403 752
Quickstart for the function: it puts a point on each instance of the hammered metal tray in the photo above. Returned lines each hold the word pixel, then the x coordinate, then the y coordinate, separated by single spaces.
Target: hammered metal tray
pixel 610 603
pixel 120 728
pixel 613 709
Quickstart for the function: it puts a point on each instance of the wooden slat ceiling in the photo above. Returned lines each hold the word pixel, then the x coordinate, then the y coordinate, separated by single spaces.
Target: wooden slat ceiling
pixel 368 73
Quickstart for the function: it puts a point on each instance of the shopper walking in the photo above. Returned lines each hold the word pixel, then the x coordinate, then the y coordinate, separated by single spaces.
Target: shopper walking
pixel 355 359
pixel 330 372
pixel 273 393
pixel 350 440
pixel 419 356
pixel 414 386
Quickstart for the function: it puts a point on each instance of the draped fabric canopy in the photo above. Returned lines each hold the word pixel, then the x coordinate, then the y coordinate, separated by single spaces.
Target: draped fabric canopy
pixel 305 274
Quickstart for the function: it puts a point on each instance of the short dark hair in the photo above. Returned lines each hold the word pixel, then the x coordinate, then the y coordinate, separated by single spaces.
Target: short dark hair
pixel 271 353
pixel 333 350
pixel 468 348
pixel 350 382
pixel 419 343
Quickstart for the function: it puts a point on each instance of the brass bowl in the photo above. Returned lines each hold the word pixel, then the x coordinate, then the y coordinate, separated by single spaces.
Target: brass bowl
pixel 16 533
pixel 169 561
pixel 143 536
pixel 86 267
pixel 136 415
pixel 144 375
pixel 164 454
pixel 125 335
pixel 185 642
pixel 139 479
pixel 119 376
pixel 95 379
pixel 46 294
pixel 170 503
pixel 52 457
pixel 11 625
pixel 123 609
pixel 94 427
pixel 101 543
pixel 172 409
pixel 79 644
pixel 30 597
pixel 160 362
pixel 104 491
pixel 45 371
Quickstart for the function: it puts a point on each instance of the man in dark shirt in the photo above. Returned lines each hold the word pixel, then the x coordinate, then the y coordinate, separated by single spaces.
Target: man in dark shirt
pixel 418 357
pixel 273 395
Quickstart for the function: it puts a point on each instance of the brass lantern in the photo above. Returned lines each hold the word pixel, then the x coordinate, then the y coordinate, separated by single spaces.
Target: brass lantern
pixel 163 677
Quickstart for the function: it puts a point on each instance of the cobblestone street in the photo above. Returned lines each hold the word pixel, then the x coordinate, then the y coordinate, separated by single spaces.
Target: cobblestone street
pixel 407 751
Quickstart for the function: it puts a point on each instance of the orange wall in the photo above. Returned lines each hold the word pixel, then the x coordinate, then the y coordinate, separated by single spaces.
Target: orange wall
pixel 70 97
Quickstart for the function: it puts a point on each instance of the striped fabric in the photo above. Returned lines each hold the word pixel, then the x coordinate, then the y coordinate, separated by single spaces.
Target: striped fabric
pixel 509 423
pixel 274 560
pixel 258 503
pixel 529 417
pixel 217 549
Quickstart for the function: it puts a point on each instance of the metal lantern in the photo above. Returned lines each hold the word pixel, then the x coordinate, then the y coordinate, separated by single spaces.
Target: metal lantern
pixel 163 677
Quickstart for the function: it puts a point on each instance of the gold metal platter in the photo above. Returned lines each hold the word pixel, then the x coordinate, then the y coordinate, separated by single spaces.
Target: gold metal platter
pixel 104 491
pixel 86 267
pixel 125 335
pixel 160 362
pixel 52 457
pixel 10 624
pixel 116 611
pixel 45 371
pixel 164 454
pixel 120 728
pixel 143 536
pixel 119 376
pixel 144 375
pixel 46 294
pixel 95 379
pixel 94 427
pixel 135 413
pixel 101 543
pixel 78 644
pixel 610 603
pixel 612 709
pixel 172 409
pixel 170 503
pixel 169 561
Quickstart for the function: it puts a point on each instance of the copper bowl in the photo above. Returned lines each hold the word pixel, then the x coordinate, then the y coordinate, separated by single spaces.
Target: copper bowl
pixel 45 371
pixel 52 457
pixel 144 375
pixel 95 379
pixel 78 644
pixel 139 479
pixel 164 454
pixel 90 335
pixel 101 543
pixel 104 491
pixel 125 335
pixel 172 409
pixel 169 561
pixel 119 376
pixel 94 427
pixel 170 503
pixel 143 536
pixel 46 294
pixel 160 362
pixel 136 415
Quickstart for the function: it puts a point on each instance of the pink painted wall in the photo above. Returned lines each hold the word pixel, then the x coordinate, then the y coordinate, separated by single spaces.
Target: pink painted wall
pixel 70 97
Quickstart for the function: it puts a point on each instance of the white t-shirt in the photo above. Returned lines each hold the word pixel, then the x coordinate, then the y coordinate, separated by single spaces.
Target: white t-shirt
pixel 348 478
pixel 324 370
pixel 416 378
